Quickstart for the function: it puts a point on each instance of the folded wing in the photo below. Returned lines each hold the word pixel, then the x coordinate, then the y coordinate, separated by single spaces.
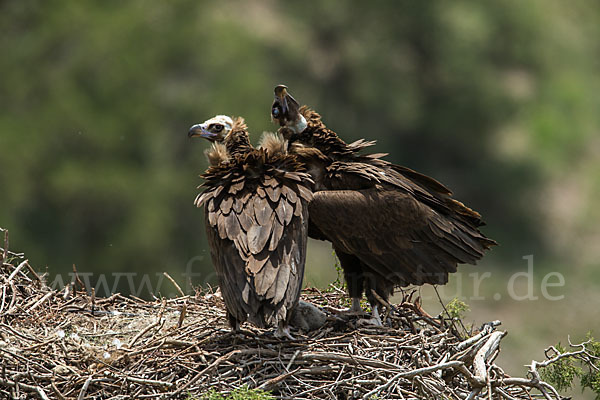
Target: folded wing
pixel 257 229
pixel 397 236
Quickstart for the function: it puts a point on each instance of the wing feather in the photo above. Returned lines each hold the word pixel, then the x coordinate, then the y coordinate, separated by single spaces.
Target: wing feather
pixel 257 237
pixel 265 278
pixel 276 235
pixel 236 187
pixel 262 210
pixel 256 262
pixel 277 290
pixel 394 234
pixel 232 226
pixel 290 194
pixel 257 229
pixel 245 220
pixel 281 210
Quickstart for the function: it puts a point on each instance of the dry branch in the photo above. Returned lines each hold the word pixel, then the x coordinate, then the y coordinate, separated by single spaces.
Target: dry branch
pixel 51 344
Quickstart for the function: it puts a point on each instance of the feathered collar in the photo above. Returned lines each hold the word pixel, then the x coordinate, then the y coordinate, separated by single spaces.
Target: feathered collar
pixel 318 136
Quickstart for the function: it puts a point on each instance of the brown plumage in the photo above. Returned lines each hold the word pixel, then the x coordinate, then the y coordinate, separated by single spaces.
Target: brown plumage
pixel 217 154
pixel 273 143
pixel 389 225
pixel 256 216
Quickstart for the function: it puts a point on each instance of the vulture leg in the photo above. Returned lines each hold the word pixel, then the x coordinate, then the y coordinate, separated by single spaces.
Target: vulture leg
pixel 374 320
pixel 378 294
pixel 233 322
pixel 375 316
pixel 354 277
pixel 283 330
pixel 355 305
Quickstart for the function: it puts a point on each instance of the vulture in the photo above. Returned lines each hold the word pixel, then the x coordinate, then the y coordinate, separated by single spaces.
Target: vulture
pixel 256 216
pixel 390 226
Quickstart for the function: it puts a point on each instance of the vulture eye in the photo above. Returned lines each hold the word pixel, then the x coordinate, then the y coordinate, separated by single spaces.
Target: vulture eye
pixel 217 127
pixel 275 111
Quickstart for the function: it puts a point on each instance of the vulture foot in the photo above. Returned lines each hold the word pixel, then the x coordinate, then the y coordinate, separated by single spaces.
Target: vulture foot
pixel 374 320
pixel 355 310
pixel 369 322
pixel 283 331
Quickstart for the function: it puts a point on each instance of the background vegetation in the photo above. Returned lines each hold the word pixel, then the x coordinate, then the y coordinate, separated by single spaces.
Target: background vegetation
pixel 498 99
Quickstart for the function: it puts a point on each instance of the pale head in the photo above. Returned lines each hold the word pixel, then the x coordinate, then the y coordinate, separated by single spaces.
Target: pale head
pixel 214 129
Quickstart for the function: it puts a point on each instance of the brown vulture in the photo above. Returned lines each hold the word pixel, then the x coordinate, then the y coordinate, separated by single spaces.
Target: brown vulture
pixel 256 216
pixel 389 225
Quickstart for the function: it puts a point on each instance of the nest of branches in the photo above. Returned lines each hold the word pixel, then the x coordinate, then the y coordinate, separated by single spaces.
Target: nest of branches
pixel 68 344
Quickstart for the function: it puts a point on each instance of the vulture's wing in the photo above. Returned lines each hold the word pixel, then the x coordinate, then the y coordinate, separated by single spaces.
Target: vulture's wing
pixel 361 175
pixel 436 194
pixel 399 237
pixel 257 229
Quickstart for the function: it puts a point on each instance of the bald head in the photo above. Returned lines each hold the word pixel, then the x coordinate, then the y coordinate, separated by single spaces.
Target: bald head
pixel 214 129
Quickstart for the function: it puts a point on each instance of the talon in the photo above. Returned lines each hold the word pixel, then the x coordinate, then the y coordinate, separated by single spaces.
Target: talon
pixel 369 321
pixel 375 315
pixel 355 309
pixel 374 320
pixel 356 305
pixel 350 312
pixel 282 332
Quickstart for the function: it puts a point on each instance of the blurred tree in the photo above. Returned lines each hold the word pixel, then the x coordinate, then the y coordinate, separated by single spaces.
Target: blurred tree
pixel 496 99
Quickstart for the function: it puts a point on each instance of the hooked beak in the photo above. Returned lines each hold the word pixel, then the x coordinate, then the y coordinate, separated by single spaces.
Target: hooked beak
pixel 280 94
pixel 199 130
pixel 286 111
pixel 288 103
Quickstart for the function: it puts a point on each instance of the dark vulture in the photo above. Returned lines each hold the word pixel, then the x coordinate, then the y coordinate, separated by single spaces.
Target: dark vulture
pixel 256 216
pixel 389 225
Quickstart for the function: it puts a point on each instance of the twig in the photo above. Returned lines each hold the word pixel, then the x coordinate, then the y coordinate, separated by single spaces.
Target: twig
pixel 150 382
pixel 182 314
pixel 207 370
pixel 268 385
pixel 484 353
pixel 16 271
pixel 174 284
pixel 93 301
pixel 412 374
pixel 5 250
pixel 40 301
pixel 25 386
pixel 447 313
pixel 77 280
pixel 32 271
pixel 57 392
pixel 84 388
pixel 487 328
pixel 133 348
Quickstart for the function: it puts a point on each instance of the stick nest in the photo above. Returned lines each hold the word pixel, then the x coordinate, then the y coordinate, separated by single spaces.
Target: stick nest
pixel 70 345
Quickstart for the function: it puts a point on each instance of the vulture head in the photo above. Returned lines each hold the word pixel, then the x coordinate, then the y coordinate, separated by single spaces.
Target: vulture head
pixel 214 129
pixel 227 134
pixel 286 110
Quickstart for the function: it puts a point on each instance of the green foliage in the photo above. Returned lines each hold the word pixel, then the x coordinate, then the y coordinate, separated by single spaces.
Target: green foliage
pixel 457 308
pixel 242 393
pixel 340 283
pixel 592 381
pixel 339 280
pixel 591 378
pixel 96 170
pixel 562 373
